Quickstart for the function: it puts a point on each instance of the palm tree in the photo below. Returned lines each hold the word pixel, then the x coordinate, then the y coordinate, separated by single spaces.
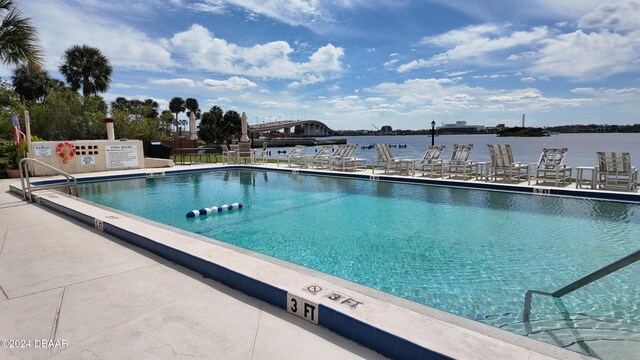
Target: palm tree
pixel 152 105
pixel 191 104
pixel 30 83
pixel 177 105
pixel 18 38
pixel 85 67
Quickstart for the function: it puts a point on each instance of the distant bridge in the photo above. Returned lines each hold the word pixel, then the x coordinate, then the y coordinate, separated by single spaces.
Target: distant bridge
pixel 311 127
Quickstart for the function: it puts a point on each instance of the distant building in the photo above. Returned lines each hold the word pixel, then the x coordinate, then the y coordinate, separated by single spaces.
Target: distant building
pixel 461 127
pixel 386 129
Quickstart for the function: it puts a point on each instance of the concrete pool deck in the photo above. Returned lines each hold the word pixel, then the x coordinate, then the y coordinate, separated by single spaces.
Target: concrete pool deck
pixel 101 302
pixel 96 296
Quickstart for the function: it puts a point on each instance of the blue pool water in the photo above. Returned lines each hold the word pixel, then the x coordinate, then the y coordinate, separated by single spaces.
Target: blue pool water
pixel 469 252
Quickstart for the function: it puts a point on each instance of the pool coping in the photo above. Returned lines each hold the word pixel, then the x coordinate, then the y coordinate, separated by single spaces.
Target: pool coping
pixel 394 330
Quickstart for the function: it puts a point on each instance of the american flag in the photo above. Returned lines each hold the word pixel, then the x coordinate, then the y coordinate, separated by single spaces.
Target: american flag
pixel 16 129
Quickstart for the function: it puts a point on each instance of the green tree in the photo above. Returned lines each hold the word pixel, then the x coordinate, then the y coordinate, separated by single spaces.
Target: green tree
pixel 9 105
pixel 231 125
pixel 166 118
pixel 86 68
pixel 18 38
pixel 210 125
pixel 66 115
pixel 152 105
pixel 177 105
pixel 30 83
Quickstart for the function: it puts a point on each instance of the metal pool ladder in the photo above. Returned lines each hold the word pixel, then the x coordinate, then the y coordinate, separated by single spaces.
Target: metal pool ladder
pixel 25 180
pixel 586 280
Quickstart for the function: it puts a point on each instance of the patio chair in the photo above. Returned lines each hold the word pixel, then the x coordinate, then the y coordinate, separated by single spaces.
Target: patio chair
pixel 228 154
pixel 390 163
pixel 295 152
pixel 322 161
pixel 615 170
pixel 306 160
pixel 346 161
pixel 246 152
pixel 502 164
pixel 459 162
pixel 262 154
pixel 551 166
pixel 431 160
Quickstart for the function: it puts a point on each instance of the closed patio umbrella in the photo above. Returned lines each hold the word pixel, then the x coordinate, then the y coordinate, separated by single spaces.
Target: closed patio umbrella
pixel 244 137
pixel 192 126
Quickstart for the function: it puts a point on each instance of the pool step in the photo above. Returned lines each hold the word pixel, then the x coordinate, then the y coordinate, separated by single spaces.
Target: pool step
pixel 586 334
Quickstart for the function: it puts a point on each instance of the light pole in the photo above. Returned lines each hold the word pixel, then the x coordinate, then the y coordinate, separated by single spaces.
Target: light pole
pixel 433 132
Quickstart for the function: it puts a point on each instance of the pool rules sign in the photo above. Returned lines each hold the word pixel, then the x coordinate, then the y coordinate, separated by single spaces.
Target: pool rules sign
pixel 121 156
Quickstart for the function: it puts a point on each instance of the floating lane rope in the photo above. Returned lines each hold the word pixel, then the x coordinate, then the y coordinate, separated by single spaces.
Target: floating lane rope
pixel 215 209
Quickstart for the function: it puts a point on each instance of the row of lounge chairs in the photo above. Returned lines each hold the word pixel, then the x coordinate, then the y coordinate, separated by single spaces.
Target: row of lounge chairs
pixel 614 170
pixel 341 159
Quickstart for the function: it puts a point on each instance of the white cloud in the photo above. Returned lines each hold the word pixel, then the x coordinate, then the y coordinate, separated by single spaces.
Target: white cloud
pixel 232 83
pixel 492 76
pixel 204 51
pixel 208 6
pixel 282 105
pixel 178 81
pixel 470 43
pixel 375 99
pixel 61 26
pixel 533 99
pixel 127 86
pixel 587 56
pixel 221 100
pixel 617 17
pixel 293 12
pixel 390 62
pixel 413 65
pixel 528 79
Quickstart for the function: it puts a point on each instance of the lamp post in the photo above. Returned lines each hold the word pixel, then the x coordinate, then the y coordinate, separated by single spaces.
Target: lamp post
pixel 433 132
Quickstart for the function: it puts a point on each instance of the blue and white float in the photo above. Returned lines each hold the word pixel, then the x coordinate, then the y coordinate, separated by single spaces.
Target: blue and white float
pixel 215 209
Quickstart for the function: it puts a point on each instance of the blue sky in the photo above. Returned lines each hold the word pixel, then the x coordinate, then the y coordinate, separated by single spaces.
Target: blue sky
pixel 354 63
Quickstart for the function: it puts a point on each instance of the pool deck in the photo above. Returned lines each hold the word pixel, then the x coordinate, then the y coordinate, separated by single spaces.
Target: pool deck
pixel 106 298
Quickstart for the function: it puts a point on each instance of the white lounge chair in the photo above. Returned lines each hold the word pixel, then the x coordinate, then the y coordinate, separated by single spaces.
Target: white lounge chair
pixel 615 170
pixel 345 161
pixel 503 166
pixel 295 152
pixel 306 160
pixel 551 166
pixel 459 162
pixel 323 162
pixel 432 160
pixel 390 163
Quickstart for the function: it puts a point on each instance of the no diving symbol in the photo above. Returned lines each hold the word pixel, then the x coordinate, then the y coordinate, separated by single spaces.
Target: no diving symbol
pixel 314 289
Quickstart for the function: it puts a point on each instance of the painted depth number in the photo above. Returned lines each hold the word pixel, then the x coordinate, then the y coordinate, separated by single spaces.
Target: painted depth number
pixel 303 308
pixel 308 310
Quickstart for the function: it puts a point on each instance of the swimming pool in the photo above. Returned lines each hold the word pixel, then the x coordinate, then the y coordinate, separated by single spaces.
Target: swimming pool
pixel 472 253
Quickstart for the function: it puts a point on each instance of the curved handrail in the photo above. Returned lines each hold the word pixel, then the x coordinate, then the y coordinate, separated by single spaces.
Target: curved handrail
pixel 25 180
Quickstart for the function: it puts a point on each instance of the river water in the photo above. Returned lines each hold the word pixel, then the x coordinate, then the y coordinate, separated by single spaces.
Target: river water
pixel 582 147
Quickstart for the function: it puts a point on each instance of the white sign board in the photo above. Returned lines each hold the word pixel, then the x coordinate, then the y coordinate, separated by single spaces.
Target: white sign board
pixel 121 156
pixel 87 160
pixel 42 150
pixel 305 309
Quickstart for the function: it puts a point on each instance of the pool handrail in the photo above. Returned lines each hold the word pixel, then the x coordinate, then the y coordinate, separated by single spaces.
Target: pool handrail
pixel 25 179
pixel 583 281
